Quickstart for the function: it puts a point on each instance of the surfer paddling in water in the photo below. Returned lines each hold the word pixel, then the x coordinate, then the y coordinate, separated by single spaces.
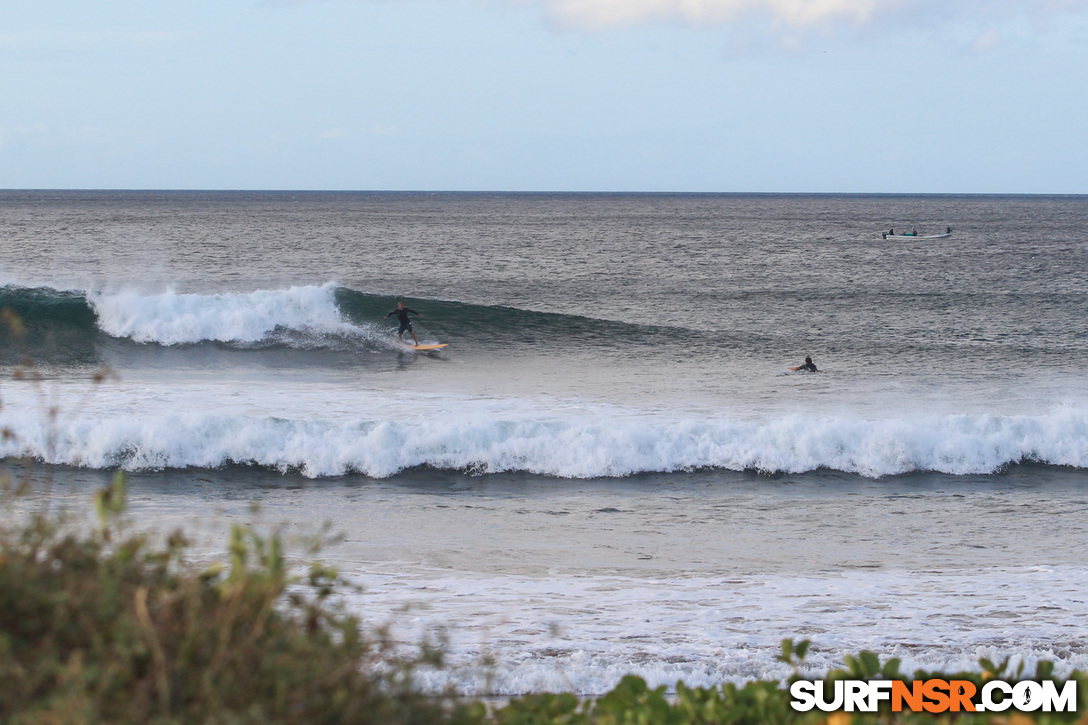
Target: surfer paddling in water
pixel 402 313
pixel 808 367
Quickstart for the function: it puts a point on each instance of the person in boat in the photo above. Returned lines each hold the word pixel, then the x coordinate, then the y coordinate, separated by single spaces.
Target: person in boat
pixel 808 367
pixel 913 232
pixel 402 313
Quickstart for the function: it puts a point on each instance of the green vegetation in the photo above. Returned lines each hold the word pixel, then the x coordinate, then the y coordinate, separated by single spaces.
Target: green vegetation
pixel 98 628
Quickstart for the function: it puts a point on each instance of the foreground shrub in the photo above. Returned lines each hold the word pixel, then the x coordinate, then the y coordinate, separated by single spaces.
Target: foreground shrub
pixel 94 629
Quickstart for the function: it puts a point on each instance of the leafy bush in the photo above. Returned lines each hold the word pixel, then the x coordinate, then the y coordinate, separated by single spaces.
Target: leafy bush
pixel 102 630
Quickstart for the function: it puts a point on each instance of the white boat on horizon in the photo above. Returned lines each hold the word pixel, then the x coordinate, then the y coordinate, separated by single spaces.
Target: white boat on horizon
pixel 916 235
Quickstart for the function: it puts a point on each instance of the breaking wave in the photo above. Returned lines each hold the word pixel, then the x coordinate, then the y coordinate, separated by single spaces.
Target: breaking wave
pixel 300 317
pixel 582 445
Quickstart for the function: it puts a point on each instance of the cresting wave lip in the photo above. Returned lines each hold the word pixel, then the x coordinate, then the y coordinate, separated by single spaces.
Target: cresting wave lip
pixel 172 318
pixel 571 446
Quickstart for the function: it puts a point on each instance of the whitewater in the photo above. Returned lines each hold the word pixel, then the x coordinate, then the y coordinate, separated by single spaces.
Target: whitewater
pixel 611 467
pixel 175 319
pixel 380 435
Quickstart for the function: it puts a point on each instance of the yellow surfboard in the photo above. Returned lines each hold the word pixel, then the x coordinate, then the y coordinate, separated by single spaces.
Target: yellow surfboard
pixel 428 347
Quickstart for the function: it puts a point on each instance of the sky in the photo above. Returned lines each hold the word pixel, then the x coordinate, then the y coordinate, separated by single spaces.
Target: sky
pixel 844 96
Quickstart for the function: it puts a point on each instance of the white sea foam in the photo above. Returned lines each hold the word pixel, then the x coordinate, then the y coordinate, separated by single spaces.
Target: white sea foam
pixel 381 434
pixel 584 633
pixel 171 318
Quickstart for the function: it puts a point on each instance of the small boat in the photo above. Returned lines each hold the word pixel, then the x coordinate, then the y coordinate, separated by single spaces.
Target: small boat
pixel 916 235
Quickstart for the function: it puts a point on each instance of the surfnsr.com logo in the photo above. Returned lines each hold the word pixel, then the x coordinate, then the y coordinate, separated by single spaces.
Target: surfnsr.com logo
pixel 933 696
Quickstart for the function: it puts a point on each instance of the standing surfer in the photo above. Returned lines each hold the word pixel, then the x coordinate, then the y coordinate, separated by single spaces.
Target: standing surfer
pixel 402 315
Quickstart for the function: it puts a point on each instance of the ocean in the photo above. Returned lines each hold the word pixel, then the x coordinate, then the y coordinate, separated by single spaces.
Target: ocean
pixel 611 469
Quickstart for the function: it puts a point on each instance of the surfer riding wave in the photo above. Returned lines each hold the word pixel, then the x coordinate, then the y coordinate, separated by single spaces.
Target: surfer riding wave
pixel 402 313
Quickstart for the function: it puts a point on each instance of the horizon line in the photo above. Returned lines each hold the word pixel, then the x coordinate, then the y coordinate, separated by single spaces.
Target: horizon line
pixel 554 192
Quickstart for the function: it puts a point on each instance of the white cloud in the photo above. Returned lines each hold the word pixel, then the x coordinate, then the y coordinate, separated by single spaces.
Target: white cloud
pixel 786 24
pixel 601 14
pixel 786 16
pixel 783 15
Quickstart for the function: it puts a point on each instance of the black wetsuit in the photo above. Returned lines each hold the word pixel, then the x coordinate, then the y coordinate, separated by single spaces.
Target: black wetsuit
pixel 808 368
pixel 402 316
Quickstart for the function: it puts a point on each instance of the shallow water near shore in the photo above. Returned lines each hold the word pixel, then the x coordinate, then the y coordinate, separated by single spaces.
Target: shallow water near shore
pixel 570 585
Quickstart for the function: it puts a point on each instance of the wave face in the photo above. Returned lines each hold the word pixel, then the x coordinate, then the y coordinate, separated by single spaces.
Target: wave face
pixel 516 437
pixel 172 318
pixel 72 327
pixel 305 317
pixel 44 307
